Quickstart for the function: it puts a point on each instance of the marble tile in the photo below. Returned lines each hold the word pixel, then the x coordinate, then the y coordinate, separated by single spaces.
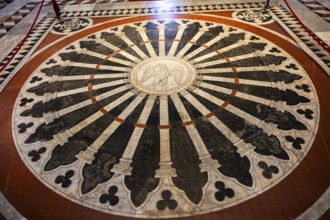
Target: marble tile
pixel 315 6
pixel 323 13
pixel 318 208
pixel 7 210
pixel 9 42
pixel 13 7
pixel 326 3
pixel 325 36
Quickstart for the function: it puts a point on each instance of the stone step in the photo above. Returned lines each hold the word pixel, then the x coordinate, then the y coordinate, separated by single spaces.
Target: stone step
pixel 315 6
pixel 323 13
pixel 308 1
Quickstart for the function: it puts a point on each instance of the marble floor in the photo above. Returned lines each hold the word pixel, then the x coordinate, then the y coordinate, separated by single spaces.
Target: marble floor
pixel 165 109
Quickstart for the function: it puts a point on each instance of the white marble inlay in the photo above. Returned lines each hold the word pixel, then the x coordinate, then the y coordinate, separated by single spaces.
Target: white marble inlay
pixel 162 75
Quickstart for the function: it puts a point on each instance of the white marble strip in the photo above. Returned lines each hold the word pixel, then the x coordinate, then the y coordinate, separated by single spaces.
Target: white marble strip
pixel 150 4
pixel 85 123
pixel 101 67
pixel 106 44
pixel 102 56
pixel 120 61
pixel 130 108
pixel 232 59
pixel 8 211
pixel 214 120
pixel 85 89
pixel 245 96
pixel 134 47
pixel 176 41
pixel 99 114
pixel 137 133
pixel 222 50
pixel 204 57
pixel 88 154
pixel 147 42
pixel 165 155
pixel 241 81
pixel 118 101
pixel 239 69
pixel 108 84
pixel 120 51
pixel 208 44
pixel 318 209
pixel 212 63
pixel 191 129
pixel 267 127
pixel 189 44
pixel 89 101
pixel 161 41
pixel 96 76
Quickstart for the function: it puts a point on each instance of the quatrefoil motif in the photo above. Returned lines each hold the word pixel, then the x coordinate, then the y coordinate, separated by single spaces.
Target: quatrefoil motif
pixel 167 202
pixel 268 171
pixel 110 197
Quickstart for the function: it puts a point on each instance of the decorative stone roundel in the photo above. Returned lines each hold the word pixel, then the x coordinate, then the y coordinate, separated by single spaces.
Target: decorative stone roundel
pixel 165 118
pixel 163 75
pixel 71 25
pixel 253 16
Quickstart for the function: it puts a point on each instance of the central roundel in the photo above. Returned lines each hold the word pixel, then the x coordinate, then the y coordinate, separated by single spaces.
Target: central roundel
pixel 162 75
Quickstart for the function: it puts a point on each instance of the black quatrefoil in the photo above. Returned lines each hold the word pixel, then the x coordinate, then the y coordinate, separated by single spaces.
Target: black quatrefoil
pixel 24 101
pixel 292 66
pixel 185 21
pixel 51 61
pixel 138 24
pixel 223 191
pixel 208 24
pixel 35 79
pixel 275 50
pixel 110 196
pixel 268 171
pixel 296 142
pixel 304 87
pixel 308 113
pixel 35 155
pixel 254 38
pixel 23 127
pixel 65 180
pixel 93 36
pixel 167 201
pixel 71 47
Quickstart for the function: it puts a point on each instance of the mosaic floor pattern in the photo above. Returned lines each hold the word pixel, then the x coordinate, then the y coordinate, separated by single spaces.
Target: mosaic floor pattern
pixel 166 117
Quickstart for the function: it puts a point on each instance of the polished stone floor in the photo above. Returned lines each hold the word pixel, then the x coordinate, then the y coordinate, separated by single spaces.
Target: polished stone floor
pixel 165 109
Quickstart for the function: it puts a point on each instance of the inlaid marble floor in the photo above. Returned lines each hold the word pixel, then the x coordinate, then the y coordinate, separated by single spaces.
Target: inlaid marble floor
pixel 164 116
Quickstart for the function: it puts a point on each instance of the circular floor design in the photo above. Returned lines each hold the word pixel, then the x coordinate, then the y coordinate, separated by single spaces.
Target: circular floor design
pixel 165 118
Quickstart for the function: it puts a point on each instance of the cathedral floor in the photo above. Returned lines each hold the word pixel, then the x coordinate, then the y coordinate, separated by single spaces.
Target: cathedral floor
pixel 164 110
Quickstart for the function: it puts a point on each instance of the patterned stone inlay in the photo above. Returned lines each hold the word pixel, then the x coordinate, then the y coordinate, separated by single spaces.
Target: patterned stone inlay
pixel 71 25
pixel 165 118
pixel 253 16
pixel 162 75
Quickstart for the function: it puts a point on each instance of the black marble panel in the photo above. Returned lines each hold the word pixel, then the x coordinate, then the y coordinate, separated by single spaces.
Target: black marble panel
pixel 185 160
pixel 145 161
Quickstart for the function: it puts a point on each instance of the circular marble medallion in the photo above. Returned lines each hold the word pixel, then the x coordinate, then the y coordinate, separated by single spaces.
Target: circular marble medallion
pixel 162 75
pixel 253 16
pixel 166 118
pixel 71 25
